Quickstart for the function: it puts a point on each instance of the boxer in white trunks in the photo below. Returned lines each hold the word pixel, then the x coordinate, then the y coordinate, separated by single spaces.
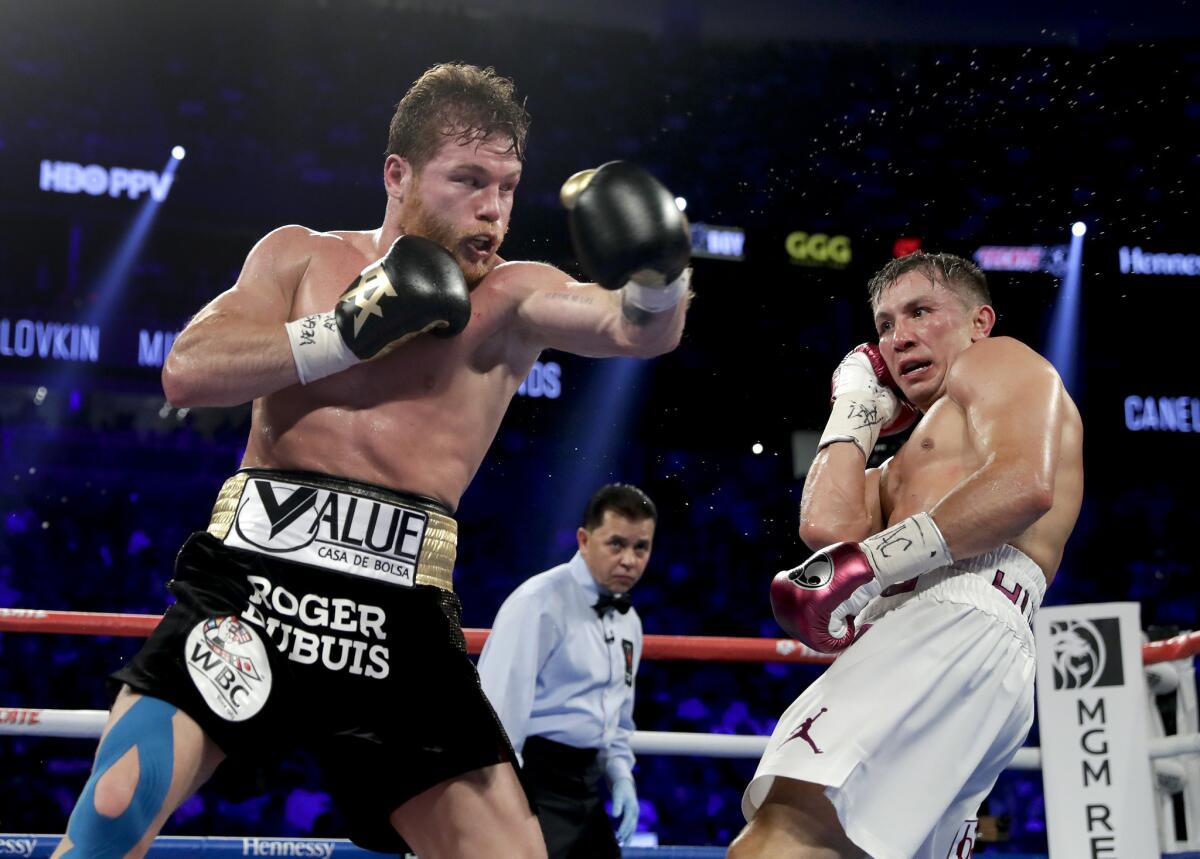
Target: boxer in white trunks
pixel 933 566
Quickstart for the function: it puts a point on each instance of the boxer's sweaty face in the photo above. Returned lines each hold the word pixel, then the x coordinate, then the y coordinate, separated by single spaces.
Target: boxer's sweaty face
pixel 617 550
pixel 462 199
pixel 922 327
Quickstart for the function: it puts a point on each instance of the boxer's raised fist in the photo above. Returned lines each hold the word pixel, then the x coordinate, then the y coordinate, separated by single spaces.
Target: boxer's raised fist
pixel 817 602
pixel 629 234
pixel 863 368
pixel 865 402
pixel 415 287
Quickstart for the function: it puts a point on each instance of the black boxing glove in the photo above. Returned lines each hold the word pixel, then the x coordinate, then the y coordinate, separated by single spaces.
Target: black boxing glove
pixel 629 234
pixel 416 287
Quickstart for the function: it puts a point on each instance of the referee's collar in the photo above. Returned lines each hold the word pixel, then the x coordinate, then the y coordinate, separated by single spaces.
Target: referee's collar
pixel 583 576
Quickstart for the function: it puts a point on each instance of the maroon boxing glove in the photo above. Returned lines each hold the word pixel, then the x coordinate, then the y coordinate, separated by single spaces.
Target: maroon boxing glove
pixel 818 602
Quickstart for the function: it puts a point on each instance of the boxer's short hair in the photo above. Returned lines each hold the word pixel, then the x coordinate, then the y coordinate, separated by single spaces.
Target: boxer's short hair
pixel 459 101
pixel 621 498
pixel 957 274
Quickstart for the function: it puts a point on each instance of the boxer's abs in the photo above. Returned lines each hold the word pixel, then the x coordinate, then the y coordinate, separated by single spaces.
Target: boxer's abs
pixel 427 434
pixel 941 453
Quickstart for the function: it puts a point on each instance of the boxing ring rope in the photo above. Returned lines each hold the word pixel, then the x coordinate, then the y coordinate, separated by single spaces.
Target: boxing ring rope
pixel 42 722
pixel 82 724
pixel 89 723
pixel 678 647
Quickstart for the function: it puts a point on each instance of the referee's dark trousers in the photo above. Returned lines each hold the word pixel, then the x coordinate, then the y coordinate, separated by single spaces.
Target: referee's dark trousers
pixel 568 787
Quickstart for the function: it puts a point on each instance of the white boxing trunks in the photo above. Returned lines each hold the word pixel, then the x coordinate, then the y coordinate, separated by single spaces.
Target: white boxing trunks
pixel 909 728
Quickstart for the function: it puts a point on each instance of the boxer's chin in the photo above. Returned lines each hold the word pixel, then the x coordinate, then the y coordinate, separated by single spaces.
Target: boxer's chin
pixel 475 270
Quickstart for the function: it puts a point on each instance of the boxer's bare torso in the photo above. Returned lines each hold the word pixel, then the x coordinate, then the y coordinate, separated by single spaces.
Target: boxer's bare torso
pixel 420 418
pixel 945 449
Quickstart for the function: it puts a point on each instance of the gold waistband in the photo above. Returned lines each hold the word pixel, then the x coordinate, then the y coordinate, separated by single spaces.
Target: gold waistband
pixel 439 548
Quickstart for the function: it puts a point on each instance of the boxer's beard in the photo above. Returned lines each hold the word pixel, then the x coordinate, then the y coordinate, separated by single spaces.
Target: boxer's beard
pixel 421 221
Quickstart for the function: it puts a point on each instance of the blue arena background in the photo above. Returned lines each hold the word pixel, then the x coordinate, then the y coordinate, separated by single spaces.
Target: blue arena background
pixel 953 143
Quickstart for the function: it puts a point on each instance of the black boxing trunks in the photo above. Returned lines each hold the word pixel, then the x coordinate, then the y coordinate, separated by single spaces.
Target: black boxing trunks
pixel 318 613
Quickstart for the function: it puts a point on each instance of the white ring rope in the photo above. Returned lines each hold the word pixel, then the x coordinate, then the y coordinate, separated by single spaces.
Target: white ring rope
pixel 89 723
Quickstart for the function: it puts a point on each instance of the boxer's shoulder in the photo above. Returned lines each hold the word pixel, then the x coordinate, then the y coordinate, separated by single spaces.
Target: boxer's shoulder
pixel 995 354
pixel 993 361
pixel 519 278
pixel 302 237
pixel 299 249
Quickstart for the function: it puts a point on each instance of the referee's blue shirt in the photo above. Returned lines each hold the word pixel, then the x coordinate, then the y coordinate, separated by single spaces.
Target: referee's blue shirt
pixel 553 669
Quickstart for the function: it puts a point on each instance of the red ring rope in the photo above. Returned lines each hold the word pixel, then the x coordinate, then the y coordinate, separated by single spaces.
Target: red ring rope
pixel 708 648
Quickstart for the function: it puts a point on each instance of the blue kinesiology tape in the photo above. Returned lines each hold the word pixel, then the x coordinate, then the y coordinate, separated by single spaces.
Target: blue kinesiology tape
pixel 147 727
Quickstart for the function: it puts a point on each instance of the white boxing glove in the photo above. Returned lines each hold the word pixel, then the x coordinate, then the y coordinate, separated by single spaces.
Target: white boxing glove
pixel 865 403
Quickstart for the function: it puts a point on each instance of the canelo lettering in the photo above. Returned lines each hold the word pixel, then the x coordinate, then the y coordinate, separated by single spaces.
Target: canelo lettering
pixel 1164 414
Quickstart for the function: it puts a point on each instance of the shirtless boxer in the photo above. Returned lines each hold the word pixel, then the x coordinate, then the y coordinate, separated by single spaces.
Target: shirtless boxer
pixel 317 608
pixel 945 552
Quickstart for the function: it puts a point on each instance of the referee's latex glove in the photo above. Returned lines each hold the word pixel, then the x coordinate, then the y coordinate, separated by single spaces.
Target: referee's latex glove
pixel 625 807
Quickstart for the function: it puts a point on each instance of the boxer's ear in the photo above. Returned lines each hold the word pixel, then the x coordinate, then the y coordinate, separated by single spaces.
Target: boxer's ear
pixel 982 320
pixel 397 177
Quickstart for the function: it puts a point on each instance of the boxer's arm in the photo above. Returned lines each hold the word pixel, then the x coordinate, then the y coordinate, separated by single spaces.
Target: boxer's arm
pixel 236 348
pixel 1013 400
pixel 840 500
pixel 585 319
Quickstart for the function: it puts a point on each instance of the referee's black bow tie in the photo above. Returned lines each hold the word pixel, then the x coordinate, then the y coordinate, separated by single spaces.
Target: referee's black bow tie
pixel 618 601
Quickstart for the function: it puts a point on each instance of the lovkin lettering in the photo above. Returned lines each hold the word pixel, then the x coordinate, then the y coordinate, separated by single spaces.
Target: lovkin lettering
pixel 57 341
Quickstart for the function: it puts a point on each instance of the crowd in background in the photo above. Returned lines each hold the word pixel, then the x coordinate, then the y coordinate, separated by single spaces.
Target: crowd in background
pixel 960 145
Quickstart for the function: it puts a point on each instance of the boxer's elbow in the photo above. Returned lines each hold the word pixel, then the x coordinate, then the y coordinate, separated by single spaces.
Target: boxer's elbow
pixel 658 346
pixel 815 535
pixel 648 335
pixel 182 385
pixel 174 384
pixel 647 343
pixel 1028 493
pixel 819 532
pixel 1037 498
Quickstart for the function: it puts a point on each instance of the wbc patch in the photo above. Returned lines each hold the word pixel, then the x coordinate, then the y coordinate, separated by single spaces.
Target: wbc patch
pixel 228 663
pixel 330 530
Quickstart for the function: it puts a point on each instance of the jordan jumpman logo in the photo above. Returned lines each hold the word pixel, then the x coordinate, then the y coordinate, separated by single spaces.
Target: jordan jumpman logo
pixel 802 731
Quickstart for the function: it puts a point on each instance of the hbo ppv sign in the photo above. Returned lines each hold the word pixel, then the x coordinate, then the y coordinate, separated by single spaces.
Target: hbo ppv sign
pixel 818 249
